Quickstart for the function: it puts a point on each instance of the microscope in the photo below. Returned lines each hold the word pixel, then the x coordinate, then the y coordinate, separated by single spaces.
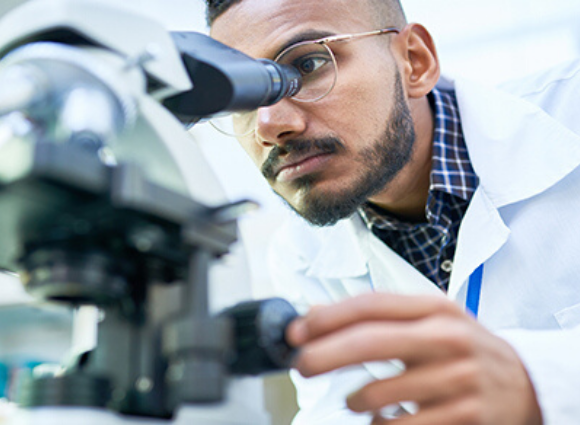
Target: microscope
pixel 95 209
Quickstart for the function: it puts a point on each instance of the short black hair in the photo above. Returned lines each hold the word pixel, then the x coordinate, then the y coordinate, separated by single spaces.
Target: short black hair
pixel 390 12
pixel 216 7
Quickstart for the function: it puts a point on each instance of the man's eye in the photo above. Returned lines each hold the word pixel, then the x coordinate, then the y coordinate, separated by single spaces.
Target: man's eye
pixel 309 64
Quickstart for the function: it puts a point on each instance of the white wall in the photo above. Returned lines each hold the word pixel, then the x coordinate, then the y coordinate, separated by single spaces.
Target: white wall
pixel 499 40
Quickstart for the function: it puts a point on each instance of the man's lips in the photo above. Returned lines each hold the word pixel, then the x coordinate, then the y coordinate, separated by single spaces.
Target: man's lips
pixel 299 166
pixel 299 156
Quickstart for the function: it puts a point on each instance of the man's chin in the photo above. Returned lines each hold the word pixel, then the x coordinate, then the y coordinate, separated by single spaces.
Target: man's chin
pixel 322 209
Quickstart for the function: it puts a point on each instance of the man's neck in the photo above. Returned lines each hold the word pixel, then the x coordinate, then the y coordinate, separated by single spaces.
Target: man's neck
pixel 406 195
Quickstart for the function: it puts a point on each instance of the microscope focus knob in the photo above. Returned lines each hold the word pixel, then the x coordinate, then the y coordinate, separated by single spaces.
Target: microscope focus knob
pixel 259 336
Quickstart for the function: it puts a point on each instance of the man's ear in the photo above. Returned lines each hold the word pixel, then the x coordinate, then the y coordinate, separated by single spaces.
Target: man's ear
pixel 418 59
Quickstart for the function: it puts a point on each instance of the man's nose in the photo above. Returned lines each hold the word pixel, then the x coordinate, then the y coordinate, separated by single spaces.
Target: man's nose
pixel 277 123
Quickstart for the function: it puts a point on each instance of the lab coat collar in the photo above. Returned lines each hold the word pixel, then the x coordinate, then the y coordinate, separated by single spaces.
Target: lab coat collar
pixel 516 150
pixel 482 233
pixel 514 146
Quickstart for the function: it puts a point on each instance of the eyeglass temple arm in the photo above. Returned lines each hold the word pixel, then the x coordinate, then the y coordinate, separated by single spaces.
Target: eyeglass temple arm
pixel 347 37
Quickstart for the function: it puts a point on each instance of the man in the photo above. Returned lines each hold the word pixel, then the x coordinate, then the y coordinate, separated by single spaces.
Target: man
pixel 451 189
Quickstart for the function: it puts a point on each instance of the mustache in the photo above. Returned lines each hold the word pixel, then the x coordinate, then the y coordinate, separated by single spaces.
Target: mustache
pixel 325 145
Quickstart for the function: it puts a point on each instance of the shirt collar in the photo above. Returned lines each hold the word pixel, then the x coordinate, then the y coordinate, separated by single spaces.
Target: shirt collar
pixel 451 170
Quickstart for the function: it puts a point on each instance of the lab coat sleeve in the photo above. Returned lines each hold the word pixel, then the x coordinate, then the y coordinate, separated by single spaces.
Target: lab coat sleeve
pixel 552 361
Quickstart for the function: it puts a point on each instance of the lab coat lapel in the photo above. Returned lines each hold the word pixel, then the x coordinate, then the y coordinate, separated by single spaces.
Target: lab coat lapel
pixel 516 150
pixel 339 255
pixel 482 234
pixel 361 257
pixel 389 272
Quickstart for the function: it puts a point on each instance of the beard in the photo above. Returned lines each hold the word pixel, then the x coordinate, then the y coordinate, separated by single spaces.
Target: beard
pixel 379 163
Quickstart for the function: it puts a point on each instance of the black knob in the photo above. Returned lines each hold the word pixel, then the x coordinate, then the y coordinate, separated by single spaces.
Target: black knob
pixel 259 336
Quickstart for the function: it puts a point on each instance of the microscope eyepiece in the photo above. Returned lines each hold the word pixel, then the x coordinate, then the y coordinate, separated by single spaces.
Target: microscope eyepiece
pixel 226 80
pixel 286 81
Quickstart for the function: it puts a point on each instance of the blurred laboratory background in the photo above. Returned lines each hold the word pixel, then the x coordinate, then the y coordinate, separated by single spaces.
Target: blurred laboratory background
pixel 492 42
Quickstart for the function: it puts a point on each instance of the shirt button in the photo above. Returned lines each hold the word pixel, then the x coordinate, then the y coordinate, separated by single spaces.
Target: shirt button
pixel 447 266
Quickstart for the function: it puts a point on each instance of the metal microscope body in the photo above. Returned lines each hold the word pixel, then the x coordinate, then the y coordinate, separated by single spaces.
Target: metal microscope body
pixel 100 206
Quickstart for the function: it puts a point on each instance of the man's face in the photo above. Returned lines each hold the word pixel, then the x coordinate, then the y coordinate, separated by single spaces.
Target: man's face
pixel 325 158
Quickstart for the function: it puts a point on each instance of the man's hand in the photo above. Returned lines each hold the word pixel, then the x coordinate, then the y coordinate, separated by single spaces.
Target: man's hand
pixel 456 371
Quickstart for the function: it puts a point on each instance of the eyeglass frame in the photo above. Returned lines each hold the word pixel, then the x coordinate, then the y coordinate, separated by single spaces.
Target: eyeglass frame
pixel 324 41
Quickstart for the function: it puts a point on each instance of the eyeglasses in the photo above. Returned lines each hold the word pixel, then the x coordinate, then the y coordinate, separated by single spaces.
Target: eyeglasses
pixel 317 64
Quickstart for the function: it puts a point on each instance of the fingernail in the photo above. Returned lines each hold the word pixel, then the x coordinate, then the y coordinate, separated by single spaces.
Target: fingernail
pixel 297 332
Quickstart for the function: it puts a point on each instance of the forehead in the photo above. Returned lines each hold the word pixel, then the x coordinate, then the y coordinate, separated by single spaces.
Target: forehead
pixel 261 28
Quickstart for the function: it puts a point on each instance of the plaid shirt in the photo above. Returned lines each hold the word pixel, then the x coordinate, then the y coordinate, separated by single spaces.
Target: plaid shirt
pixel 430 246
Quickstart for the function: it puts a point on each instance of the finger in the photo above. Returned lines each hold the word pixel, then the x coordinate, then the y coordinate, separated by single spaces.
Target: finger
pixel 365 342
pixel 379 420
pixel 375 306
pixel 457 412
pixel 423 385
pixel 414 343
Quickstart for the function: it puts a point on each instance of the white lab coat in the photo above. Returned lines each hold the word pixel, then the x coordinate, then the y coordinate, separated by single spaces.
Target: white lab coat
pixel 523 224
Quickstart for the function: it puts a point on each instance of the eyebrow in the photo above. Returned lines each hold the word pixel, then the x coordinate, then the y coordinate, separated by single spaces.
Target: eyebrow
pixel 307 35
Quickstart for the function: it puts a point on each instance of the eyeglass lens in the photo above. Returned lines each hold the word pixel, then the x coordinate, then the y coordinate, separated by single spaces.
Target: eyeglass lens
pixel 316 64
